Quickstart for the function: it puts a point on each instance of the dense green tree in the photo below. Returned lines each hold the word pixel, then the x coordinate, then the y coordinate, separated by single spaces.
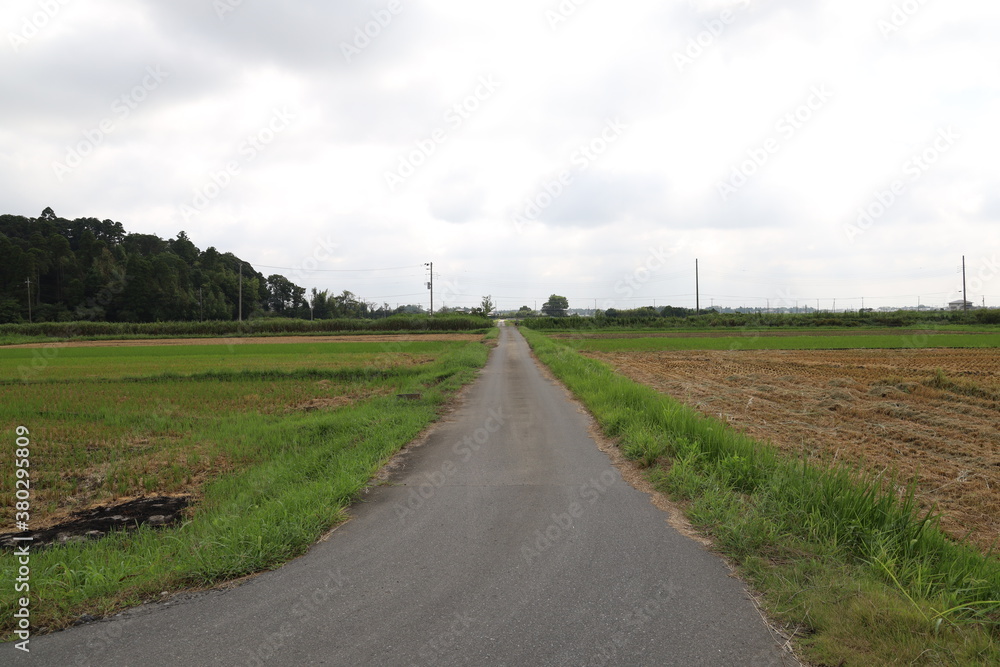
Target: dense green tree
pixel 183 248
pixel 284 296
pixel 92 269
pixel 322 306
pixel 556 306
pixel 348 305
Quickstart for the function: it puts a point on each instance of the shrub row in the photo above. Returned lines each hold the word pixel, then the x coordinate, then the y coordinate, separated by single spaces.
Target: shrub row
pixel 265 326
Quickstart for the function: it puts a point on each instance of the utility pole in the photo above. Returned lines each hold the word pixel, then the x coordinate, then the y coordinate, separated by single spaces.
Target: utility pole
pixel 697 290
pixel 241 291
pixel 27 281
pixel 965 296
pixel 430 285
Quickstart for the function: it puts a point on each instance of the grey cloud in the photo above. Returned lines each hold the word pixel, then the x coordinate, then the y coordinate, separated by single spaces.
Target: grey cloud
pixel 595 198
pixel 457 199
pixel 304 35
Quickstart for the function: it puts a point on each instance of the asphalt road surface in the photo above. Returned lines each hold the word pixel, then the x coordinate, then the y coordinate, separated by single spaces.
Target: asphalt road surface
pixel 506 538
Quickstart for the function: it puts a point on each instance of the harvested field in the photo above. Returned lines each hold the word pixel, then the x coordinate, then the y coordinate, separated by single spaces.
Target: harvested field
pixel 932 414
pixel 748 333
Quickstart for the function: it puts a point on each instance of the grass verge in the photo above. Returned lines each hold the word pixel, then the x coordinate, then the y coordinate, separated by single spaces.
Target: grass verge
pixel 846 563
pixel 293 476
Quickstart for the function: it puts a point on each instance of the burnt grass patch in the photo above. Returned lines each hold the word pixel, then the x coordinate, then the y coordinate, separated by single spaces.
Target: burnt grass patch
pixel 96 522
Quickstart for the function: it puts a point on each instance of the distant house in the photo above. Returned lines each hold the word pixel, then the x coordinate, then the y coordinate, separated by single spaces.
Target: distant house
pixel 961 304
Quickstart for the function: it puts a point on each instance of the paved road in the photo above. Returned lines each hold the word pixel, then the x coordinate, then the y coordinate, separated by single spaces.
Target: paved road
pixel 507 538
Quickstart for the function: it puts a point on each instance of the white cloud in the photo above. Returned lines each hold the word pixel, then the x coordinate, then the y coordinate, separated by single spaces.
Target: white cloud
pixel 687 129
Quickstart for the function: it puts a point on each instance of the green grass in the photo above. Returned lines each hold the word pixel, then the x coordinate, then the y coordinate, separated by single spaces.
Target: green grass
pixel 961 386
pixel 252 327
pixel 57 362
pixel 811 342
pixel 278 477
pixel 853 568
pixel 19 339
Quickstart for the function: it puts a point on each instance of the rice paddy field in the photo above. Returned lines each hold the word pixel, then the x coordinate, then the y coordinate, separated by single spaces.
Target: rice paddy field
pixel 117 422
pixel 788 340
pixel 919 405
pixel 268 443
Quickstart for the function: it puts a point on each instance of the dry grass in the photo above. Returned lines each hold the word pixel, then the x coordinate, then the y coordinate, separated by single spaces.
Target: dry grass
pixel 928 414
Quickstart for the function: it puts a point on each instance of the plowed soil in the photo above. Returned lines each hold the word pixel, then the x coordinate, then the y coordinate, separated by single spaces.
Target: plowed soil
pixel 888 410
pixel 764 333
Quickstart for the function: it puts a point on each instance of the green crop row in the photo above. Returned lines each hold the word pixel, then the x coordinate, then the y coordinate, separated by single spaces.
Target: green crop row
pixel 61 362
pixel 10 333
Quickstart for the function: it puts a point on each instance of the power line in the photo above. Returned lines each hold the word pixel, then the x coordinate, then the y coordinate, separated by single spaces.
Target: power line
pixel 393 296
pixel 300 268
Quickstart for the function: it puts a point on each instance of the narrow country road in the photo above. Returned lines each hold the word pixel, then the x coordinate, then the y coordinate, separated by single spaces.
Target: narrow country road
pixel 507 538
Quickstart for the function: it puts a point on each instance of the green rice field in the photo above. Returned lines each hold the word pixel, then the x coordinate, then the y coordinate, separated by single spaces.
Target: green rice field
pixel 271 443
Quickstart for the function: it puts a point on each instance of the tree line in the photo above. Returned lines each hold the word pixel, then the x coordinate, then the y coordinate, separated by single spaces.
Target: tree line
pixel 57 270
pixel 558 306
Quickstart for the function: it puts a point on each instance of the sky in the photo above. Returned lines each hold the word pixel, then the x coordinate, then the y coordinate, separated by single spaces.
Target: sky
pixel 834 153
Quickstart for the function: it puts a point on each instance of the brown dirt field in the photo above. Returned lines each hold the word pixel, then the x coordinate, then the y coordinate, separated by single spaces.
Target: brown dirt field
pixel 375 338
pixel 762 333
pixel 879 408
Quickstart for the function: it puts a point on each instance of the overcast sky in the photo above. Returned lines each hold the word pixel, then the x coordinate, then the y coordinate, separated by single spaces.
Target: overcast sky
pixel 834 149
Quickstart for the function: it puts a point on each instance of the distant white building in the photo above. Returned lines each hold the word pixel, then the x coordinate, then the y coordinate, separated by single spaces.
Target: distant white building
pixel 961 304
